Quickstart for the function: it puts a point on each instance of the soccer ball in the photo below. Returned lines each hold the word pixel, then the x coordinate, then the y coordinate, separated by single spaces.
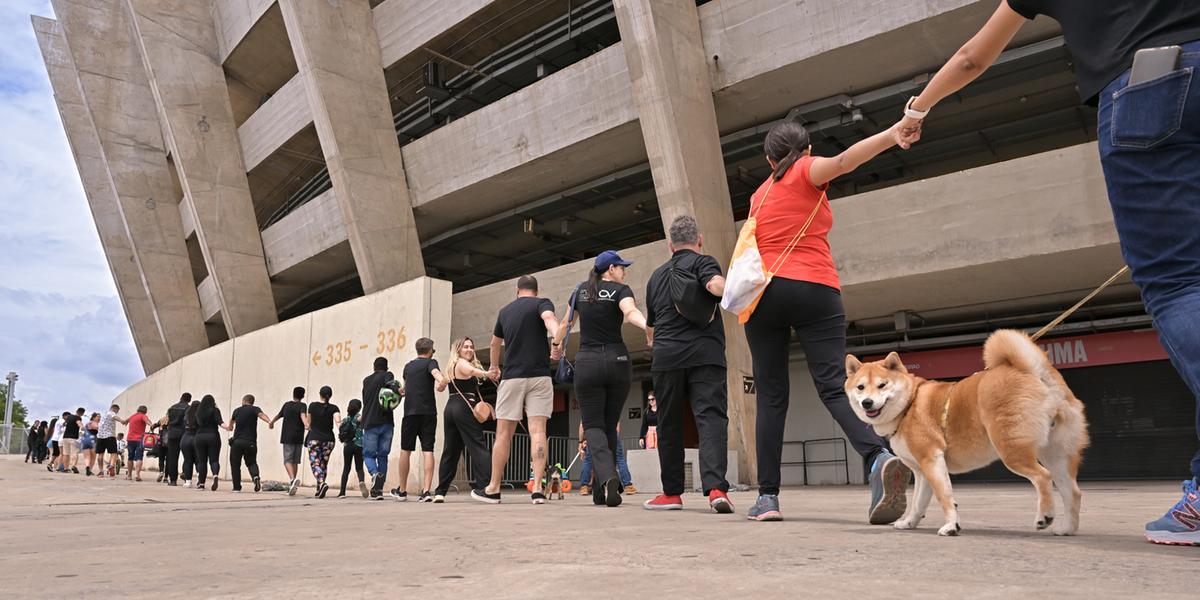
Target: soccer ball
pixel 388 399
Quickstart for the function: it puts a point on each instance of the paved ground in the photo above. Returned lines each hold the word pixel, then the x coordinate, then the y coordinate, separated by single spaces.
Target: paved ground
pixel 70 537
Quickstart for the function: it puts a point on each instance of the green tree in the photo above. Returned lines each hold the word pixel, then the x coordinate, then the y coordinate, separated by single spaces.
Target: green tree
pixel 20 415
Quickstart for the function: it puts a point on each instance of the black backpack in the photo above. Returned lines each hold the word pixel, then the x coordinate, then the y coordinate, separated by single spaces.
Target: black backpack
pixel 690 298
pixel 346 431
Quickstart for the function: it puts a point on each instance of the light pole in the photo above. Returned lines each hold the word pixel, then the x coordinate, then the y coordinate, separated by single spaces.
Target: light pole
pixel 8 410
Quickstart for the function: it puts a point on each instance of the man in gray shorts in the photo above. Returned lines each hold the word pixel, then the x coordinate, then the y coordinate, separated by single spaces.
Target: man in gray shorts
pixel 524 328
pixel 291 436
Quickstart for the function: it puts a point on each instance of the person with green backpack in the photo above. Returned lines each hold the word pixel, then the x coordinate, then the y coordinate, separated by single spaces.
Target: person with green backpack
pixel 350 434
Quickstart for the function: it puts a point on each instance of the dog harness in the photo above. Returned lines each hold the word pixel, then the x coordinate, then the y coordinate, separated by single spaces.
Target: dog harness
pixel 945 420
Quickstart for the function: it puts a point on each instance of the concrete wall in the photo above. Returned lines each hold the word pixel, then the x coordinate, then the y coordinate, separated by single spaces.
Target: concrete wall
pixel 275 122
pixel 333 347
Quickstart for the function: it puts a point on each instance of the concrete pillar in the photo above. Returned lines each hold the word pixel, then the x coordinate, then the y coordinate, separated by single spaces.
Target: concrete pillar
pixel 178 45
pixel 673 96
pixel 126 120
pixel 102 199
pixel 337 52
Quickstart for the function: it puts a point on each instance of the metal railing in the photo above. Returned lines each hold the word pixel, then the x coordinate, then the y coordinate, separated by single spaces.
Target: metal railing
pixel 19 443
pixel 517 469
pixel 805 463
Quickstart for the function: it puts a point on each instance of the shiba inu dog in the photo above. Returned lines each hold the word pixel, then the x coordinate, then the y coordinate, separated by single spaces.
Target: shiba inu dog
pixel 1018 410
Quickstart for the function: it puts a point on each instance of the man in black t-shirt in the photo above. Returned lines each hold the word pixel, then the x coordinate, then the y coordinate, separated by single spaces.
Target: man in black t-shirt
pixel 243 445
pixel 523 328
pixel 1147 131
pixel 70 439
pixel 688 365
pixel 291 435
pixel 421 377
pixel 379 425
pixel 174 420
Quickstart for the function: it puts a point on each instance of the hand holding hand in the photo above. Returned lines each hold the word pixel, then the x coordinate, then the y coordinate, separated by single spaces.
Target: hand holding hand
pixel 556 353
pixel 441 386
pixel 907 132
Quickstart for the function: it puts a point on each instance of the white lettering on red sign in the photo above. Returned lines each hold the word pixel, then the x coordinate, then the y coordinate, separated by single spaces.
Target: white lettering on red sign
pixel 1065 353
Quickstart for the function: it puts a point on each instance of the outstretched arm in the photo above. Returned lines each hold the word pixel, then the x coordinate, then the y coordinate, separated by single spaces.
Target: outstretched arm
pixel 971 60
pixel 824 169
pixel 632 314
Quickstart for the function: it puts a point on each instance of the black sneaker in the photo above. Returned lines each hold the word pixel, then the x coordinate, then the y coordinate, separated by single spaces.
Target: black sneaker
pixel 538 498
pixel 614 493
pixel 75 470
pixel 214 485
pixel 293 486
pixel 483 496
pixel 322 490
pixel 376 495
pixel 425 497
pixel 87 470
pixel 257 485
pixel 398 495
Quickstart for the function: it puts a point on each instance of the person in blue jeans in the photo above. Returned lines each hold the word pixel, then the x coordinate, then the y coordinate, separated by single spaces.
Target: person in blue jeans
pixel 379 425
pixel 1149 140
pixel 585 474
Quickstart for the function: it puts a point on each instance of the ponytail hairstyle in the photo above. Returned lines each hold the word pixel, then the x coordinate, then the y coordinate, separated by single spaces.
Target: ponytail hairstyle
pixel 786 142
pixel 592 285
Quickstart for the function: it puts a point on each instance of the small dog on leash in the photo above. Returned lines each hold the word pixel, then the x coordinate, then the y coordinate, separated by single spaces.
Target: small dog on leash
pixel 1019 410
pixel 554 481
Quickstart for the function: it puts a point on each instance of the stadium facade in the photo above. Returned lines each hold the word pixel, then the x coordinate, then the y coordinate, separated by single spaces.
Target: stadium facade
pixel 253 166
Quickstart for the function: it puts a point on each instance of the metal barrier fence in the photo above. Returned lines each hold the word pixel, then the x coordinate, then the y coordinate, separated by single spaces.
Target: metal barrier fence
pixel 806 463
pixel 517 469
pixel 19 444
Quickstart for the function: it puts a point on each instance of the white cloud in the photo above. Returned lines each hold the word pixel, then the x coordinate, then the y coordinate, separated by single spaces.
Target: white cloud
pixel 61 325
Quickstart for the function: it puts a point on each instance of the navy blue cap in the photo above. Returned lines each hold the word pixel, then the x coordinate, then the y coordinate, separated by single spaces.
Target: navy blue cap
pixel 609 258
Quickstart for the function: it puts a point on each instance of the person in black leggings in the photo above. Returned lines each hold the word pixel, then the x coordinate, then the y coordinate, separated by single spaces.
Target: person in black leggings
pixel 602 368
pixel 207 441
pixel 187 443
pixel 243 446
pixel 352 450
pixel 462 430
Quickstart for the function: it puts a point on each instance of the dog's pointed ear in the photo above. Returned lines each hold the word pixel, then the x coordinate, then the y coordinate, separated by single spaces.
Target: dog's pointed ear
pixel 852 365
pixel 893 363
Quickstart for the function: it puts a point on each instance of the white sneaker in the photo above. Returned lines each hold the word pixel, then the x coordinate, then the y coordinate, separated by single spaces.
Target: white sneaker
pixel 187 484
pixel 292 487
pixel 438 499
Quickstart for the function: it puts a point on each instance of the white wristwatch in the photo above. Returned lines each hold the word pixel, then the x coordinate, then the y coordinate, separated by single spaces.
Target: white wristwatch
pixel 913 113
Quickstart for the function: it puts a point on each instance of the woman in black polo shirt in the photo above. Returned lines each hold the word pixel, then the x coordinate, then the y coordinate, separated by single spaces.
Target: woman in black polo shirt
pixel 602 368
pixel 206 442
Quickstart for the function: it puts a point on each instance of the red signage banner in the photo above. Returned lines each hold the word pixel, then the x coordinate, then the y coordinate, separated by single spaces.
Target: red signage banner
pixel 1064 352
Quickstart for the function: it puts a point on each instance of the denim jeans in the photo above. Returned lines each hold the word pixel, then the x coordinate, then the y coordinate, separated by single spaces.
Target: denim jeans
pixel 377 443
pixel 1149 138
pixel 585 476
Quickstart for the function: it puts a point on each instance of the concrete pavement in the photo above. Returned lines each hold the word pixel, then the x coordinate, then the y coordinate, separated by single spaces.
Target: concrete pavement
pixel 71 536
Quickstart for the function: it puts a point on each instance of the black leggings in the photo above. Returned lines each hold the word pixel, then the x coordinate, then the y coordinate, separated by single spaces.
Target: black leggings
pixel 174 447
pixel 602 379
pixel 187 448
pixel 351 454
pixel 208 455
pixel 462 432
pixel 815 312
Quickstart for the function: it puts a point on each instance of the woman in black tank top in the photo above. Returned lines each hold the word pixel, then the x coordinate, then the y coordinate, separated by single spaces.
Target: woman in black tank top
pixel 461 429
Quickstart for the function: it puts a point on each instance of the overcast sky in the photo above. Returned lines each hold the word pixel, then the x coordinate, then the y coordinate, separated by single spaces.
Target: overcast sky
pixel 61 324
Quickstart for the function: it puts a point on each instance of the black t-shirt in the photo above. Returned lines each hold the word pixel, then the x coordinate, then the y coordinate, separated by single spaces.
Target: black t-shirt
pixel 679 343
pixel 321 416
pixel 71 429
pixel 175 418
pixel 600 321
pixel 208 421
pixel 1103 35
pixel 245 422
pixel 374 415
pixel 292 431
pixel 418 387
pixel 526 345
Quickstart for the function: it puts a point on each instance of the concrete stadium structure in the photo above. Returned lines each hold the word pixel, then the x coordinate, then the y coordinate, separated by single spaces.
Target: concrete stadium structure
pixel 249 163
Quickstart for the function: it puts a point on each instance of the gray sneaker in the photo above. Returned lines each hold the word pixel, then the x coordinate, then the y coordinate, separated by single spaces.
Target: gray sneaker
pixel 889 480
pixel 765 509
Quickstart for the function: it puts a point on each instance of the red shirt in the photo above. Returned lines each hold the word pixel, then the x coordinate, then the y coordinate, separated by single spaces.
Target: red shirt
pixel 780 218
pixel 137 427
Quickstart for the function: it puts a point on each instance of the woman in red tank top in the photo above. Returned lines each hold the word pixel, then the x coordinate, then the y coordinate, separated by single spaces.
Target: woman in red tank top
pixel 794 219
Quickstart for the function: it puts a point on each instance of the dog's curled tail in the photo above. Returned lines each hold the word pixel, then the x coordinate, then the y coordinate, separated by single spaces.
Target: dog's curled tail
pixel 1017 350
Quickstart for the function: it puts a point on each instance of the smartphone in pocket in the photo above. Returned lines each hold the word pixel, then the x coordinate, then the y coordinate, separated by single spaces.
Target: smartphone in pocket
pixel 1152 63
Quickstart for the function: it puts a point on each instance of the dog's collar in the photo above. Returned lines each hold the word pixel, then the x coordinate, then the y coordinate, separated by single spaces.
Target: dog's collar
pixel 903 413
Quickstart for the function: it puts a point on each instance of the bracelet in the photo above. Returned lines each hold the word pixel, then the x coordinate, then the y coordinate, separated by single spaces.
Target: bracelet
pixel 913 113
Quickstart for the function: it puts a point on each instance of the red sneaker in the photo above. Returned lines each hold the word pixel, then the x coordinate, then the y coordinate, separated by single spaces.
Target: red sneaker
pixel 664 502
pixel 719 501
